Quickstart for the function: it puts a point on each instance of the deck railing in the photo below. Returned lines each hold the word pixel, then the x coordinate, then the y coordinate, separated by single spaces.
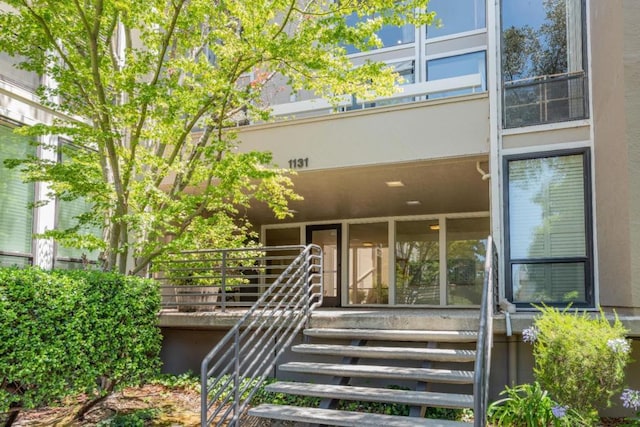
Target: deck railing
pixel 485 335
pixel 220 279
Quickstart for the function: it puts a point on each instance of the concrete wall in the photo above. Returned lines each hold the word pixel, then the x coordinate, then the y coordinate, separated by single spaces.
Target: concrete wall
pixel 631 57
pixel 616 109
pixel 409 132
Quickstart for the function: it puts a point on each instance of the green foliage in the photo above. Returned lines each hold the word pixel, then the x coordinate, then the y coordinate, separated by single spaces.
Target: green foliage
pixel 138 418
pixel 186 381
pixel 529 405
pixel 580 359
pixel 69 332
pixel 150 92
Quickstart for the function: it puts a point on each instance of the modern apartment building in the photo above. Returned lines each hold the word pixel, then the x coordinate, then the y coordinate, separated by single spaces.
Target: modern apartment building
pixel 516 118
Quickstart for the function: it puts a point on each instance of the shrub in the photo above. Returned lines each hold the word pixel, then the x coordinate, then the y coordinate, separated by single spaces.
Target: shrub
pixel 579 359
pixel 66 332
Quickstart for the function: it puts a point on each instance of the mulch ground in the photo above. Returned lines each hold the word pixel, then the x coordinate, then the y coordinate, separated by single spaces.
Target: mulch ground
pixel 172 407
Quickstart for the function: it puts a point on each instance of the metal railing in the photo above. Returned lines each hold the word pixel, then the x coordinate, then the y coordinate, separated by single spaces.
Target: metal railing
pixel 240 362
pixel 545 99
pixel 405 93
pixel 485 335
pixel 220 279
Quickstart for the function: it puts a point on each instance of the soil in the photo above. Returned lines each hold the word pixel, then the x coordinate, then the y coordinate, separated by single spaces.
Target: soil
pixel 172 407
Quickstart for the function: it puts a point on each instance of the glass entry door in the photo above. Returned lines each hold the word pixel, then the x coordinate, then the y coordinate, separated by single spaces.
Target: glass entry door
pixel 329 238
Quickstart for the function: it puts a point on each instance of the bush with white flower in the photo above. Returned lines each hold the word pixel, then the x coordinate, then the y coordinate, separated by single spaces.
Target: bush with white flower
pixel 579 358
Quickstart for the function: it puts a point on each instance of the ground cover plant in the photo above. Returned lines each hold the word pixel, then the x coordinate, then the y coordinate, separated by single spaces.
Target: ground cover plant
pixel 64 333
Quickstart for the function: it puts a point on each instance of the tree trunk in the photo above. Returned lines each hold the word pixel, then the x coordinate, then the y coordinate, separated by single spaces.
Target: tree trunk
pixel 91 403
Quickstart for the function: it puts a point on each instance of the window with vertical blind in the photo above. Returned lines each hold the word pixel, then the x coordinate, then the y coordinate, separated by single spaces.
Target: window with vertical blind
pixel 16 213
pixel 68 212
pixel 548 217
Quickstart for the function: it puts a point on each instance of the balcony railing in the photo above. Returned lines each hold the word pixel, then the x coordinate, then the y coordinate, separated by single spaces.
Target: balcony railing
pixel 406 93
pixel 545 99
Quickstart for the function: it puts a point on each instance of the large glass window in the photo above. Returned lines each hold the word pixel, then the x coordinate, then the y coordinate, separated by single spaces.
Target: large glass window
pixel 16 214
pixel 543 61
pixel 417 262
pixel 456 66
pixel 368 263
pixel 389 35
pixel 69 213
pixel 457 16
pixel 466 251
pixel 549 245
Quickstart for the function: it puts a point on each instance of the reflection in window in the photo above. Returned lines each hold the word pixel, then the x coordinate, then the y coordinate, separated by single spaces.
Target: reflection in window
pixel 16 216
pixel 548 244
pixel 457 16
pixel 457 66
pixel 417 262
pixel 389 35
pixel 70 215
pixel 466 250
pixel 368 263
pixel 543 61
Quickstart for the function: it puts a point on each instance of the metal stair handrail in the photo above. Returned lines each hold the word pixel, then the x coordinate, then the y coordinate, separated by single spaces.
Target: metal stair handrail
pixel 233 370
pixel 485 336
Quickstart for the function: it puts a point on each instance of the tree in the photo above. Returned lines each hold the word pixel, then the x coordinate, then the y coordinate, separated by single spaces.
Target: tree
pixel 156 87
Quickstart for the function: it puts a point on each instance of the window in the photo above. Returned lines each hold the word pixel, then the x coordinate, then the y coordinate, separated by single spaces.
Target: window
pixel 406 71
pixel 417 262
pixel 68 213
pixel 456 66
pixel 368 263
pixel 543 61
pixel 389 35
pixel 16 214
pixel 457 16
pixel 548 244
pixel 466 252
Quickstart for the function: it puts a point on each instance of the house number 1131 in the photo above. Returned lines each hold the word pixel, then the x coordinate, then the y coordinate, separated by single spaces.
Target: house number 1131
pixel 299 163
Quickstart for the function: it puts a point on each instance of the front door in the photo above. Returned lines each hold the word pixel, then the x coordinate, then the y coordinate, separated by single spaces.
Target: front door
pixel 329 238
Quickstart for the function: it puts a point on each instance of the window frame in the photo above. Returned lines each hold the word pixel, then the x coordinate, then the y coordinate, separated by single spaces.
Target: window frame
pixel 587 260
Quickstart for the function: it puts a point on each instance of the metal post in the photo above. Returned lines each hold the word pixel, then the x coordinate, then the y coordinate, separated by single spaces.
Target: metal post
pixel 223 279
pixel 236 379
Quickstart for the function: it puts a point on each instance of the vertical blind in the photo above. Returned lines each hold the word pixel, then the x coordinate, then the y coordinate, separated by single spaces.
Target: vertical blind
pixel 16 214
pixel 547 229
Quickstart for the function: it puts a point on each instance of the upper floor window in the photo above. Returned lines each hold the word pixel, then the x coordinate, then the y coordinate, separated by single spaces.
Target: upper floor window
pixel 543 61
pixel 456 66
pixel 457 16
pixel 390 35
pixel 16 212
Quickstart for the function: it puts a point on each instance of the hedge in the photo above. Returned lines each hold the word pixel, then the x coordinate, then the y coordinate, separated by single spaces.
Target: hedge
pixel 69 332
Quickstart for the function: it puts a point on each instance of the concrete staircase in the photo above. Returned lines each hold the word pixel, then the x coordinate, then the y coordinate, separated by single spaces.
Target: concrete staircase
pixel 436 365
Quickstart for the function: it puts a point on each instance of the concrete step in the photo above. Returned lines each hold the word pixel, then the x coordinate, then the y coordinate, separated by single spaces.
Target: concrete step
pixel 393 335
pixel 345 418
pixel 402 353
pixel 388 372
pixel 371 394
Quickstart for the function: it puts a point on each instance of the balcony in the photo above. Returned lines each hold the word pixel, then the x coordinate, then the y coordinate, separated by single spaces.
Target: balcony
pixel 545 99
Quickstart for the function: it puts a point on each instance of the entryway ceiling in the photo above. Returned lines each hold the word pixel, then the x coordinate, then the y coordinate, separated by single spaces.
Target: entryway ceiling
pixel 440 186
